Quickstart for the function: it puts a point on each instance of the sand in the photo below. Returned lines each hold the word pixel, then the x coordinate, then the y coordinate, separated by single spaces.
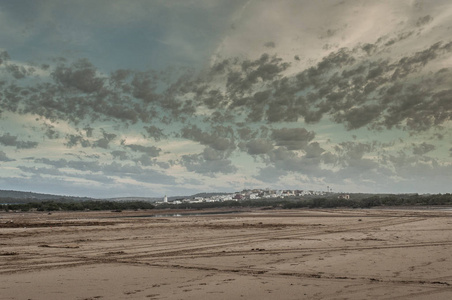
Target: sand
pixel 259 254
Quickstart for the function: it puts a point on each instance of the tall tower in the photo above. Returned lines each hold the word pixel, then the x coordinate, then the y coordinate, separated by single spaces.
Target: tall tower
pixel 165 199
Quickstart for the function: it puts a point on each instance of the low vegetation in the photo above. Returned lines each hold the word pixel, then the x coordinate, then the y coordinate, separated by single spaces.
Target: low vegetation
pixel 78 206
pixel 374 201
pixel 355 201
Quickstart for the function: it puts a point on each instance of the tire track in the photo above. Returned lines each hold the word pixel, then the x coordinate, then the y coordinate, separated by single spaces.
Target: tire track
pixel 203 244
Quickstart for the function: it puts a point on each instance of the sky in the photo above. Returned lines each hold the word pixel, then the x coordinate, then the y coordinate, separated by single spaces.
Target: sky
pixel 116 98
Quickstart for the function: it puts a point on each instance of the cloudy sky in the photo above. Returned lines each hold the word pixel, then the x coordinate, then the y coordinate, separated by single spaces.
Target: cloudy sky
pixel 145 98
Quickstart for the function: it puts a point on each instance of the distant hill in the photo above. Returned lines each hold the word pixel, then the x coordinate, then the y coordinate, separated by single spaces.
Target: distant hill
pixel 145 199
pixel 7 196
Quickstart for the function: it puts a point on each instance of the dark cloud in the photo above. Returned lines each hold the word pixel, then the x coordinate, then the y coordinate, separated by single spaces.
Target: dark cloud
pixel 208 163
pixel 151 151
pixel 119 78
pixel 4 56
pixel 352 89
pixel 369 48
pixel 145 160
pixel 292 138
pixel 144 85
pixel 213 99
pixel 105 140
pixel 398 38
pixel 118 154
pixel 206 167
pixel 81 76
pixel 246 133
pixel 77 92
pixel 88 131
pixel 220 138
pixel 329 158
pixel 335 60
pixel 259 146
pixel 50 132
pixel 414 63
pixel 163 165
pixel 329 33
pixel 270 174
pixel 155 132
pixel 210 154
pixel 313 151
pixel 424 20
pixel 353 150
pixel 74 140
pixel 239 82
pixel 18 72
pixel 355 118
pixel 420 109
pixel 423 148
pixel 101 143
pixel 4 157
pixel 369 93
pixel 282 161
pixel 12 141
pixel 61 163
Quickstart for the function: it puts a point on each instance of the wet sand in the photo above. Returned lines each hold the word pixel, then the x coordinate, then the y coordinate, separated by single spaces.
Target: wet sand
pixel 260 254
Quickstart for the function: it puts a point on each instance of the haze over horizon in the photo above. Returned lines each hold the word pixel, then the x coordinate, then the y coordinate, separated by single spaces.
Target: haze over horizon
pixel 146 98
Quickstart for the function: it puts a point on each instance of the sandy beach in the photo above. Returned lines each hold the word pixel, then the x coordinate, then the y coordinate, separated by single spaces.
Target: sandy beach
pixel 259 254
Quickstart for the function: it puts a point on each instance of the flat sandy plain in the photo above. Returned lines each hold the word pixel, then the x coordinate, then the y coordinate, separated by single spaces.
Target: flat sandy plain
pixel 259 254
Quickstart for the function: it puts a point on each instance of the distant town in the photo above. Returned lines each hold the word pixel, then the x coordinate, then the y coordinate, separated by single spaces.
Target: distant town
pixel 249 194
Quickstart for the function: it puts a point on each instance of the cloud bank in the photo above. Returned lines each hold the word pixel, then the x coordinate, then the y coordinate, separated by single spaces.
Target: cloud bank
pixel 357 98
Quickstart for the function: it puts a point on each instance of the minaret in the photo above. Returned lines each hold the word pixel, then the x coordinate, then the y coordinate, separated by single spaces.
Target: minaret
pixel 165 199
